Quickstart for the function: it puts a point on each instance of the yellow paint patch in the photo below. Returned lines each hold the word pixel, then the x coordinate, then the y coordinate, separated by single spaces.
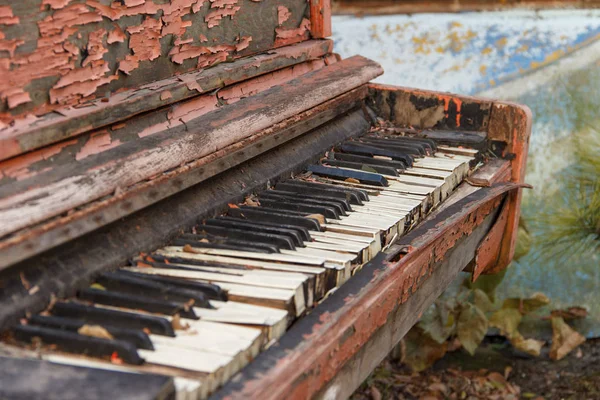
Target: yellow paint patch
pixel 483 69
pixel 500 43
pixel 487 50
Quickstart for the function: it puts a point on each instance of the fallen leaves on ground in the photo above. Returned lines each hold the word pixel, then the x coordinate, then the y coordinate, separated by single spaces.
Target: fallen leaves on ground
pixel 390 381
pixel 564 339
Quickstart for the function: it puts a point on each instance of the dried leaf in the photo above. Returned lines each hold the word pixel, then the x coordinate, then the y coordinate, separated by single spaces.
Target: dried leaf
pixel 94 331
pixel 177 324
pixel 570 313
pixel 375 393
pixel 319 217
pixel 497 380
pixel 352 180
pixel 97 286
pixel 251 201
pixel 487 283
pixel 421 351
pixel 507 320
pixel 438 321
pixel 471 327
pixel 368 169
pixel 529 346
pixel 482 300
pixel 526 306
pixel 564 339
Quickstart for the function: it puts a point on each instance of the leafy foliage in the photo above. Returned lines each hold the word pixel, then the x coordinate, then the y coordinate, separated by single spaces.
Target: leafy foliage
pixel 465 319
pixel 471 327
pixel 568 222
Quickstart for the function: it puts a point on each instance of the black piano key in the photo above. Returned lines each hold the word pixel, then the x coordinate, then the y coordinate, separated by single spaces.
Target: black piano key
pixel 300 207
pixel 280 241
pixel 367 178
pixel 415 150
pixel 272 216
pixel 300 230
pixel 212 291
pixel 258 247
pixel 361 167
pixel 362 194
pixel 125 283
pixel 292 186
pixel 132 320
pixel 293 197
pixel 431 144
pixel 136 337
pixel 144 303
pixel 364 150
pixel 80 344
pixel 237 224
pixel 397 165
pixel 343 203
pixel 211 245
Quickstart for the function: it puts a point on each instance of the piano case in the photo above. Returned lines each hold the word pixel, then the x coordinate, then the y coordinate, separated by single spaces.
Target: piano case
pixel 124 124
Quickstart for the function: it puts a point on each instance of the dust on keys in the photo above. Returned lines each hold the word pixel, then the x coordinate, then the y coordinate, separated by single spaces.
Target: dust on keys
pixel 204 306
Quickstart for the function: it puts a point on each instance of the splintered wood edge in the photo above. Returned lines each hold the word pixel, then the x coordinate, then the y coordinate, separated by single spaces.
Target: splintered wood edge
pixel 56 126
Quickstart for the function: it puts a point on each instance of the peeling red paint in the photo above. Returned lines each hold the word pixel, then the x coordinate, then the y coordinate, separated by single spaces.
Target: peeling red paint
pixel 97 143
pixel 18 98
pixel 283 14
pixel 19 168
pixel 7 17
pixel 116 35
pixel 166 95
pixel 144 43
pixel 454 99
pixel 256 85
pixel 289 36
pixel 221 9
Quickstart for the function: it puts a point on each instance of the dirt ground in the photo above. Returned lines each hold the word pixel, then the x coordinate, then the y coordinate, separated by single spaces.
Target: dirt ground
pixel 496 372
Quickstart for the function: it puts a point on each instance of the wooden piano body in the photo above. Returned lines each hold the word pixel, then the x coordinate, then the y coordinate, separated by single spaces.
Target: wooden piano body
pixel 126 123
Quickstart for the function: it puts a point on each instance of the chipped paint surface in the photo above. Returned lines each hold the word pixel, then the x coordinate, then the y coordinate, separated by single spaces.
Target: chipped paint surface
pixel 33 132
pixel 183 112
pixel 467 52
pixel 59 52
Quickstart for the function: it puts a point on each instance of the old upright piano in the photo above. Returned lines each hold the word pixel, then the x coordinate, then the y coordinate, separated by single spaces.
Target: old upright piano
pixel 199 198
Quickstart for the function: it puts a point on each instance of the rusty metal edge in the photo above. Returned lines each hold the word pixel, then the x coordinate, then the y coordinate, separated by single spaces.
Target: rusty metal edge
pixel 35 240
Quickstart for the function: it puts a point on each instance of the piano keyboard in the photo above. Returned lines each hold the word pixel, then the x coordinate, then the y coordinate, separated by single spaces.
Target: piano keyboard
pixel 204 306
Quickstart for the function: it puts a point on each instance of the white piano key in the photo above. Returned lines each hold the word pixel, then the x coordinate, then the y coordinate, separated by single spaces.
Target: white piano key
pixel 276 266
pixel 277 257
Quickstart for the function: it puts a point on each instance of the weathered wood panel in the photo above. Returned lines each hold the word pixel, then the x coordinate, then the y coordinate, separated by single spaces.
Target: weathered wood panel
pixel 62 52
pixel 320 18
pixel 30 201
pixel 423 109
pixel 35 132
